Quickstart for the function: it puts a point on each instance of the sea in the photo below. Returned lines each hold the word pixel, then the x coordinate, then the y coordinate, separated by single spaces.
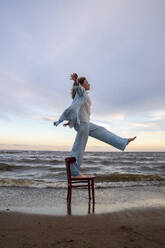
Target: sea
pixel 46 169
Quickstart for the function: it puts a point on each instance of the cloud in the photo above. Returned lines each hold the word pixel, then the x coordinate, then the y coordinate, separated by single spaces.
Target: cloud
pixel 121 54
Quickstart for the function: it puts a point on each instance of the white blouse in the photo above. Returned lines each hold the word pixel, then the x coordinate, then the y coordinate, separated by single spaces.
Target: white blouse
pixel 85 111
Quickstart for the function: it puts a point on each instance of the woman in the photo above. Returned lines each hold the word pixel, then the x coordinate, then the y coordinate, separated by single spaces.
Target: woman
pixel 78 116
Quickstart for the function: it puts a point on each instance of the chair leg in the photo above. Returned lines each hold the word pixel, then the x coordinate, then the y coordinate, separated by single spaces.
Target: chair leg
pixel 93 191
pixel 89 207
pixel 69 210
pixel 69 195
pixel 89 190
pixel 70 198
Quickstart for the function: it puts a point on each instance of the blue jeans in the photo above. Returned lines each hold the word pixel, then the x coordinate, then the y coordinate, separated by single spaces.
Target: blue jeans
pixel 89 129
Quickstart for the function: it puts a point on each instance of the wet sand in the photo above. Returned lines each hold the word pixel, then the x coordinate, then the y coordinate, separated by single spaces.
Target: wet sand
pixel 51 201
pixel 121 218
pixel 129 228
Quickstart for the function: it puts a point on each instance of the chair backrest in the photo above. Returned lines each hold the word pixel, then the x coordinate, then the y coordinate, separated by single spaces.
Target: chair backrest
pixel 68 161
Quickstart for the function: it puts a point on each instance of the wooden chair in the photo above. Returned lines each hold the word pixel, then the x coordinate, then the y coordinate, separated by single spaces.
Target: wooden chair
pixel 85 182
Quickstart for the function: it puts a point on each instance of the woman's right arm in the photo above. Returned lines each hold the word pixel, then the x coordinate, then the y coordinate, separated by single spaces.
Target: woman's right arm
pixel 77 86
pixel 74 77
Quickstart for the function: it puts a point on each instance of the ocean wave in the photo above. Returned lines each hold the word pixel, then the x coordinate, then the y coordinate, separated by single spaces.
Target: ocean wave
pixel 12 182
pixel 102 185
pixel 106 162
pixel 47 169
pixel 30 160
pixel 109 181
pixel 55 161
pixel 116 162
pixel 161 167
pixel 34 160
pixel 8 167
pixel 10 152
pixel 129 177
pixel 59 169
pixel 17 182
pixel 89 161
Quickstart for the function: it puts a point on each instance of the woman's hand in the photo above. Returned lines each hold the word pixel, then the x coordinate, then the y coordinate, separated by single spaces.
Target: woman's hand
pixel 74 77
pixel 66 124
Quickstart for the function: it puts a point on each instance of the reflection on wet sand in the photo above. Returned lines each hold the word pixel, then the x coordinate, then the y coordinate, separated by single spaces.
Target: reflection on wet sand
pixel 91 208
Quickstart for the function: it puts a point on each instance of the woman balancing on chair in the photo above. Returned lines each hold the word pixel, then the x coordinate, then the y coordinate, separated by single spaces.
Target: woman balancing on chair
pixel 78 116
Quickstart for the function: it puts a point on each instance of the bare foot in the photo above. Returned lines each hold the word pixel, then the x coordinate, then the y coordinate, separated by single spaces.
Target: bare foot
pixel 80 176
pixel 131 139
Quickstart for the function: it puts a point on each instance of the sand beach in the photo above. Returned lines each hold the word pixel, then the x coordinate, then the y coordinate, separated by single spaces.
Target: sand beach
pixel 128 217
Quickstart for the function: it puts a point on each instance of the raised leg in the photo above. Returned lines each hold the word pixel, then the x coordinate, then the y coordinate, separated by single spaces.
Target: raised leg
pixel 107 136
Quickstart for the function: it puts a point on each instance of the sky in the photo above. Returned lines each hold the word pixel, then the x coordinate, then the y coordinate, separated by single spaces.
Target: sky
pixel 118 45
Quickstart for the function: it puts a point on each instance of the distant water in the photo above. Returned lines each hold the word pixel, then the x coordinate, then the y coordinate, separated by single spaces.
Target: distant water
pixel 112 169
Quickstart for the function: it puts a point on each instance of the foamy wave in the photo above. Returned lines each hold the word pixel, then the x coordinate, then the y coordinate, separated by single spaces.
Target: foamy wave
pixel 129 177
pixel 31 183
pixel 110 181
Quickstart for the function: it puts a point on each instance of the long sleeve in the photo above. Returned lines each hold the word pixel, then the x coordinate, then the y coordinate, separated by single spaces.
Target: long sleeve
pixel 72 112
pixel 79 89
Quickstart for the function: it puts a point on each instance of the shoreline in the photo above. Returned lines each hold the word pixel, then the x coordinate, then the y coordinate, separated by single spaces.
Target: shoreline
pixel 50 201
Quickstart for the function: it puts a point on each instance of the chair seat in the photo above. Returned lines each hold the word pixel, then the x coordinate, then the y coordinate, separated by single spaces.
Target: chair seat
pixel 88 177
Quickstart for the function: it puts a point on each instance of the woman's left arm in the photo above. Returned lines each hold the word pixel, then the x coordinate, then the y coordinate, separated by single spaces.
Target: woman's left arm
pixel 67 123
